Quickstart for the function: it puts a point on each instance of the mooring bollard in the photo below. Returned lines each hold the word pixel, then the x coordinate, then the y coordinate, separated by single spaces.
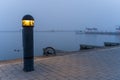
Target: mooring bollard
pixel 28 43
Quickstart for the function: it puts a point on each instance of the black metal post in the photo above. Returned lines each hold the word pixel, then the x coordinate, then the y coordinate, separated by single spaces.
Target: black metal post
pixel 28 45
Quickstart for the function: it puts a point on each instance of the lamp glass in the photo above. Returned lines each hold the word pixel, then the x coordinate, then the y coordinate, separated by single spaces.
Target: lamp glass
pixel 28 23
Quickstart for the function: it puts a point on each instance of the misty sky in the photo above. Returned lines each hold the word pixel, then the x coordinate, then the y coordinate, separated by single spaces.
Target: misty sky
pixel 61 14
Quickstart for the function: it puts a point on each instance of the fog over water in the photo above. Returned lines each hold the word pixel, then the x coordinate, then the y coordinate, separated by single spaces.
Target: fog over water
pixel 61 14
pixel 56 15
pixel 11 42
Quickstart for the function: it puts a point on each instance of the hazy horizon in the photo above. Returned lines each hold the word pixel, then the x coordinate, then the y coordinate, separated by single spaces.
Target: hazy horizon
pixel 61 14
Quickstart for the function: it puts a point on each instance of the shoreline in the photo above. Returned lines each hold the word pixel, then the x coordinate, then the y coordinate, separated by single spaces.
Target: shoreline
pixel 19 60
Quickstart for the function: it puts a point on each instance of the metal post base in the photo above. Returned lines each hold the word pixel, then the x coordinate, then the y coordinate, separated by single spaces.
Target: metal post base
pixel 28 69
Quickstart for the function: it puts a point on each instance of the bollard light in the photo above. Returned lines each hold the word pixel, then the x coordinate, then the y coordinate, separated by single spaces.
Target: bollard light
pixel 28 43
pixel 28 21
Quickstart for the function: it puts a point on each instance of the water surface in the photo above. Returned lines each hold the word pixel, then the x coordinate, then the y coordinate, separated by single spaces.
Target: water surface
pixel 11 42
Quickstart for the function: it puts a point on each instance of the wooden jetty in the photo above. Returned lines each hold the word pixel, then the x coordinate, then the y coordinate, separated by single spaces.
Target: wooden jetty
pixel 107 44
pixel 85 46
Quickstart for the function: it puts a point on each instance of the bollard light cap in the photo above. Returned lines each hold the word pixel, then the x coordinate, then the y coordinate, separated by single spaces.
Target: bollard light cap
pixel 28 21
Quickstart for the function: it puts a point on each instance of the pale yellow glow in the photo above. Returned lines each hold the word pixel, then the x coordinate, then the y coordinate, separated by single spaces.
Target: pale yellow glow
pixel 28 23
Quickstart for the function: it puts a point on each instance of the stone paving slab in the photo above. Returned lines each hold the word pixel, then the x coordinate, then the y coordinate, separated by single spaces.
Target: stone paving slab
pixel 102 64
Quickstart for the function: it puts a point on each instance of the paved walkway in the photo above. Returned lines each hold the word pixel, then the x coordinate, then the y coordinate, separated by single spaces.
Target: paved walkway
pixel 102 64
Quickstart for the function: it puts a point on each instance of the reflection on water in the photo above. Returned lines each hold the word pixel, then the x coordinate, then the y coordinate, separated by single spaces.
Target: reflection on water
pixel 11 42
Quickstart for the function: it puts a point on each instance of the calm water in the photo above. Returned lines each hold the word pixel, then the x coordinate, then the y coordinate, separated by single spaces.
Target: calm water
pixel 11 42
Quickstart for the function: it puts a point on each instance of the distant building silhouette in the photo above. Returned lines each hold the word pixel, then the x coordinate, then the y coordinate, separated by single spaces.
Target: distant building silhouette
pixel 91 29
pixel 118 29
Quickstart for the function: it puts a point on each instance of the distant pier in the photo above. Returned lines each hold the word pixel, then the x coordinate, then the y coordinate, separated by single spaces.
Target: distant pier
pixel 107 33
pixel 104 33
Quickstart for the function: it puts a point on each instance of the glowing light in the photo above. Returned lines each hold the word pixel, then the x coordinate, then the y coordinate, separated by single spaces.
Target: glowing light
pixel 28 23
